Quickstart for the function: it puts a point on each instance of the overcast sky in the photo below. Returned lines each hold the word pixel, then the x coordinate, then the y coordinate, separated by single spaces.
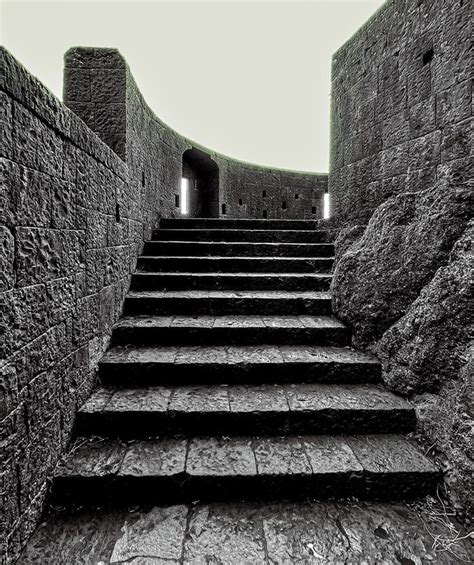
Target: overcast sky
pixel 248 79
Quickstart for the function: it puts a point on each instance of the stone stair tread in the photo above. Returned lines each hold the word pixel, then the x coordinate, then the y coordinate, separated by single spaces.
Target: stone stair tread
pixel 238 275
pixel 229 322
pixel 246 456
pixel 244 398
pixel 232 234
pixel 268 244
pixel 240 257
pixel 238 354
pixel 237 248
pixel 248 294
pixel 244 223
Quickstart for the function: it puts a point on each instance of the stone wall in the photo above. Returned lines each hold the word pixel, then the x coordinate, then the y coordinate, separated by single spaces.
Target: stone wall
pixel 401 104
pixel 400 185
pixel 72 223
pixel 100 88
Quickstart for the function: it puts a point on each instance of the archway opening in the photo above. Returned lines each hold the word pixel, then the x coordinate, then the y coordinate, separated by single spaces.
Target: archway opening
pixel 201 176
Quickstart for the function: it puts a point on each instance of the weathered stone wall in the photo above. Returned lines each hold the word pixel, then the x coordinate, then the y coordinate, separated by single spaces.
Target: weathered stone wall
pixel 72 223
pixel 100 88
pixel 401 168
pixel 401 104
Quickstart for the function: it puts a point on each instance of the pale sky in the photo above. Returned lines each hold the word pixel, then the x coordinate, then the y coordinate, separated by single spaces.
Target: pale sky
pixel 250 79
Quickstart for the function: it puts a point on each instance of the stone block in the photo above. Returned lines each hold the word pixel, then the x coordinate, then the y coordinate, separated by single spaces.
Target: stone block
pixel 6 126
pixel 25 316
pixel 424 151
pixel 454 104
pixel 457 140
pixel 77 85
pixel 7 259
pixel 108 86
pixel 61 296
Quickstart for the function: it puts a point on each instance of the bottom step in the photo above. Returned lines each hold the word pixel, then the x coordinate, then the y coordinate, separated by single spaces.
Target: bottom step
pixel 101 471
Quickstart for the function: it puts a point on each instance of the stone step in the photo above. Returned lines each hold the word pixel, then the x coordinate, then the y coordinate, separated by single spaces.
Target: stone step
pixel 236 264
pixel 230 330
pixel 237 249
pixel 273 235
pixel 316 532
pixel 143 366
pixel 238 223
pixel 243 410
pixel 203 469
pixel 232 281
pixel 225 302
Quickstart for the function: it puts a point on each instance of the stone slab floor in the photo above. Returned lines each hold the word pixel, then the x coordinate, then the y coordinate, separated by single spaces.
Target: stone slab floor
pixel 318 532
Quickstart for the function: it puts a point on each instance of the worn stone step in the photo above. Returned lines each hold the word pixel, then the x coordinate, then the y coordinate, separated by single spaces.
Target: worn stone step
pixel 237 249
pixel 230 330
pixel 225 302
pixel 104 471
pixel 142 366
pixel 273 235
pixel 236 264
pixel 238 223
pixel 244 409
pixel 317 532
pixel 232 281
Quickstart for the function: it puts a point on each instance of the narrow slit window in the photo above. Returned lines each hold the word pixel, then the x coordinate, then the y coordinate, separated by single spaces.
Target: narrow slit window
pixel 184 196
pixel 326 209
pixel 264 215
pixel 223 208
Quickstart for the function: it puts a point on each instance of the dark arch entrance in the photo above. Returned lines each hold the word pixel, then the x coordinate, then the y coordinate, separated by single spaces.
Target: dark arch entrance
pixel 203 182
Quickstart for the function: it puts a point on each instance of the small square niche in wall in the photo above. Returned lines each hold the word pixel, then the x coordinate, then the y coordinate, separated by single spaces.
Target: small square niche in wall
pixel 428 56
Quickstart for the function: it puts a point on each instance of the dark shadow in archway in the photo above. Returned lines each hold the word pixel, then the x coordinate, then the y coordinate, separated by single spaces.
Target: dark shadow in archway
pixel 203 175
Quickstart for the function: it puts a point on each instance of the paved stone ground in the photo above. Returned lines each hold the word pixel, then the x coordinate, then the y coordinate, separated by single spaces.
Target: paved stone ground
pixel 344 532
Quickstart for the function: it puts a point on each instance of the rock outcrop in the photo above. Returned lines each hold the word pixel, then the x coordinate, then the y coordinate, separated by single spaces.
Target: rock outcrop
pixel 407 239
pixel 406 287
pixel 427 347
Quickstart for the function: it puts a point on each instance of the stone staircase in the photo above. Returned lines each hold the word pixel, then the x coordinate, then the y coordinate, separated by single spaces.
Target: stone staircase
pixel 228 379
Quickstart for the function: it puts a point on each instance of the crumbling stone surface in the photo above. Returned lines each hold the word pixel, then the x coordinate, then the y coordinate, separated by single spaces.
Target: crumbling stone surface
pixel 427 352
pixel 426 347
pixel 405 242
pixel 345 238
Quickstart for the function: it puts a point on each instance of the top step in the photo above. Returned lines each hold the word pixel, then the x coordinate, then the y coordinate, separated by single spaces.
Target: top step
pixel 239 223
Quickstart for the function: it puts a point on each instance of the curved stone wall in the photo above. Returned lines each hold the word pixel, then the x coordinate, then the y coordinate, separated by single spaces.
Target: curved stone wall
pixel 100 89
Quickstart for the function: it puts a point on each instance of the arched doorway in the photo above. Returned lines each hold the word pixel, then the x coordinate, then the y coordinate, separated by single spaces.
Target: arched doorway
pixel 202 186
